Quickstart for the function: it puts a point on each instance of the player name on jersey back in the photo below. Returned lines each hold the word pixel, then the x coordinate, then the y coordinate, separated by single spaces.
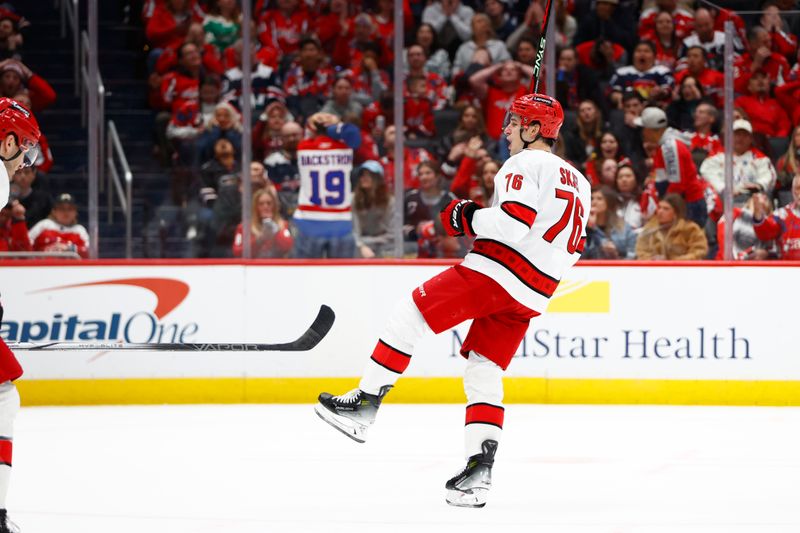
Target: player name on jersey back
pixel 326 159
pixel 325 192
pixel 535 228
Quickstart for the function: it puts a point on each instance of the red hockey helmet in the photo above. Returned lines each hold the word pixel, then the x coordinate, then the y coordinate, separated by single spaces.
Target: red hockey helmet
pixel 16 119
pixel 540 108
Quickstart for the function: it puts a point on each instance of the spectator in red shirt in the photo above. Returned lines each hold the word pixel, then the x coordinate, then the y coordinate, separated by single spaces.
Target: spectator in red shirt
pixel 267 131
pixel 497 86
pixel 413 157
pixel 332 23
pixel 683 19
pixel 766 114
pixel 308 84
pixel 759 56
pixel 696 63
pixel 183 84
pixel 61 231
pixel 418 111
pixel 675 171
pixel 383 20
pixel 788 94
pixel 475 177
pixel 721 16
pixel 283 28
pixel 168 60
pixel 435 84
pixel 783 42
pixel 668 44
pixel 783 225
pixel 269 232
pixel 13 231
pixel 350 46
pixel 17 78
pixel 169 23
pixel 703 142
pixel 602 56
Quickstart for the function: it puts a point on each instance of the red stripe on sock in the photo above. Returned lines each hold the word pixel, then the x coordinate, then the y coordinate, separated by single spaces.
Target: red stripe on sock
pixel 5 451
pixel 484 413
pixel 390 358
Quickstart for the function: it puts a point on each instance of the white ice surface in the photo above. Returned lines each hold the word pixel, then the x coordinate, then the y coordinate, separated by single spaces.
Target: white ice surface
pixel 270 468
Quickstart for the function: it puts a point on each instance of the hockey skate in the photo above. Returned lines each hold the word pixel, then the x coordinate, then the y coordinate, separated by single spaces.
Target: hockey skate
pixel 6 525
pixel 351 413
pixel 470 487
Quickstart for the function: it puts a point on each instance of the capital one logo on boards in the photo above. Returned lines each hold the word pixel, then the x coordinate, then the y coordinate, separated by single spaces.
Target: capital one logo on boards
pixel 137 326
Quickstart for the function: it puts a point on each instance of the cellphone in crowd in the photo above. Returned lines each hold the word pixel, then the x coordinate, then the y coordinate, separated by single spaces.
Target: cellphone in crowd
pixel 380 122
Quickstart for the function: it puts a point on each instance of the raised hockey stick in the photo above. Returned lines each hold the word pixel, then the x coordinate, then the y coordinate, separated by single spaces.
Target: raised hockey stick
pixel 308 340
pixel 537 62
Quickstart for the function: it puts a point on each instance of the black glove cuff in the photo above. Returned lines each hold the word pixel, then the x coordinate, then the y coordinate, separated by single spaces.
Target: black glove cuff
pixel 469 212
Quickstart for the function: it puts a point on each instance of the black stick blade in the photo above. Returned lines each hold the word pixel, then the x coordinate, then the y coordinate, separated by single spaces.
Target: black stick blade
pixel 307 341
pixel 313 335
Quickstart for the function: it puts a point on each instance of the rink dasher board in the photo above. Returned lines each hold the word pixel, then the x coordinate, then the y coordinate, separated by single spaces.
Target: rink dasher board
pixel 688 334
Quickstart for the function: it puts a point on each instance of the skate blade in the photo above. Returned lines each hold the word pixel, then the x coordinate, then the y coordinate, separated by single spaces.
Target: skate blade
pixel 471 498
pixel 352 429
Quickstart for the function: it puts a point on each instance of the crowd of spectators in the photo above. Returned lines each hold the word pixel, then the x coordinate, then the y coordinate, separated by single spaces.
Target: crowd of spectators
pixel 641 85
pixel 36 219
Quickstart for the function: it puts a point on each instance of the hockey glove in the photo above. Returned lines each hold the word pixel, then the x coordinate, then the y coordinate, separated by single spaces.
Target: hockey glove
pixel 457 218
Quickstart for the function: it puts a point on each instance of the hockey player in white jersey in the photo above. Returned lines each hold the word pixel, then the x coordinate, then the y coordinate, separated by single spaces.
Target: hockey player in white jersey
pixel 19 140
pixel 532 232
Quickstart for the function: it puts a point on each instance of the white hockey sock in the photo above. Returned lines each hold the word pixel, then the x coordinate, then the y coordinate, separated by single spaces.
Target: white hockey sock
pixel 392 354
pixel 9 406
pixel 5 478
pixel 483 383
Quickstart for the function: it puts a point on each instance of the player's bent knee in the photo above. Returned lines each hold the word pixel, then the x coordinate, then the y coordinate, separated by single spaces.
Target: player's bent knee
pixel 483 380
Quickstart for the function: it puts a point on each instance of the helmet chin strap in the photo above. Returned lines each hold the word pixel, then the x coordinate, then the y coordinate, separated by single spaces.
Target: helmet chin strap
pixel 13 157
pixel 525 143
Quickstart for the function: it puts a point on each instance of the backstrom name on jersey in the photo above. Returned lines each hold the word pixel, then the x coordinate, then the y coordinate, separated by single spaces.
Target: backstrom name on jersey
pixel 332 159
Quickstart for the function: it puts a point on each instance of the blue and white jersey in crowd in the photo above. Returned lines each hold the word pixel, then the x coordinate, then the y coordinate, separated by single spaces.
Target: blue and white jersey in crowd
pixel 325 163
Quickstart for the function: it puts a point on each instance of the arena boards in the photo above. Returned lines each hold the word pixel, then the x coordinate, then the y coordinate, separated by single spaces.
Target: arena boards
pixel 643 333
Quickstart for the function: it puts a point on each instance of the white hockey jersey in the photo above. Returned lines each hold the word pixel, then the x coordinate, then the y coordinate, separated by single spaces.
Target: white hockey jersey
pixel 5 185
pixel 323 205
pixel 535 228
